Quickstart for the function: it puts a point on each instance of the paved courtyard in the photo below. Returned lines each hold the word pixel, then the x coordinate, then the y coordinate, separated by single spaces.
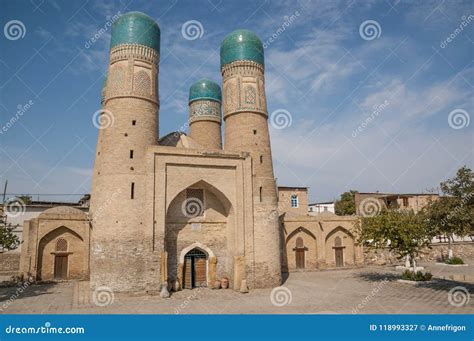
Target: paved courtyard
pixel 364 290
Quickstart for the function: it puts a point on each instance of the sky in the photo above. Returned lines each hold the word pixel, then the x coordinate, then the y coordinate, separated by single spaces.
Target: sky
pixel 363 95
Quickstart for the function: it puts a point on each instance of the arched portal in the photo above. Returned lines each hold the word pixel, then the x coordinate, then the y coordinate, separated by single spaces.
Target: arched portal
pixel 62 254
pixel 301 249
pixel 340 247
pixel 199 215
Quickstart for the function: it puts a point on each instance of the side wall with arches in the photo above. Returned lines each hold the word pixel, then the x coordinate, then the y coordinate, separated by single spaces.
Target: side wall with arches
pixel 318 234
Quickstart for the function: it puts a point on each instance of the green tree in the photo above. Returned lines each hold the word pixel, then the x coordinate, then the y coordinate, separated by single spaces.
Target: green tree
pixel 8 240
pixel 346 204
pixel 453 215
pixel 401 231
pixel 461 186
pixel 23 199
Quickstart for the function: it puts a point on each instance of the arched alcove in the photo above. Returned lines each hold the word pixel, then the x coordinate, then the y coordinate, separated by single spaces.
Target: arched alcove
pixel 212 225
pixel 62 254
pixel 301 249
pixel 340 247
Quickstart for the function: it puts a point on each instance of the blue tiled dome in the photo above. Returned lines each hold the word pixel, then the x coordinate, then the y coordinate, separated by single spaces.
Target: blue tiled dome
pixel 136 28
pixel 241 45
pixel 205 89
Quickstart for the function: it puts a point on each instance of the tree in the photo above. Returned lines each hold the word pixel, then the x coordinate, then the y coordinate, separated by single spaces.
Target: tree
pixel 346 205
pixel 461 186
pixel 8 240
pixel 453 215
pixel 402 231
pixel 22 199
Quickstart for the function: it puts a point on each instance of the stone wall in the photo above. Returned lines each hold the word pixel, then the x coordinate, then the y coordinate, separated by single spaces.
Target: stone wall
pixel 9 261
pixel 464 250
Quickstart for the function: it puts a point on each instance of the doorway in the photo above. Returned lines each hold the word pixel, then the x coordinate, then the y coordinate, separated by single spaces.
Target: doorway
pixel 338 252
pixel 195 269
pixel 339 257
pixel 60 266
pixel 300 253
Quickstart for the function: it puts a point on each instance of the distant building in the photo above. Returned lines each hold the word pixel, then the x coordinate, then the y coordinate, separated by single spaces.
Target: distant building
pixel 33 209
pixel 320 207
pixel 367 201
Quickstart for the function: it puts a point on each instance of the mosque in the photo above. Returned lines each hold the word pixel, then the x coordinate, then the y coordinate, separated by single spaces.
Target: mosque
pixel 185 210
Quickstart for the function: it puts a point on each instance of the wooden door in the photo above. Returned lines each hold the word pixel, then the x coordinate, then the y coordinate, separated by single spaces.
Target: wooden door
pixel 339 257
pixel 299 258
pixel 200 278
pixel 188 284
pixel 195 269
pixel 60 266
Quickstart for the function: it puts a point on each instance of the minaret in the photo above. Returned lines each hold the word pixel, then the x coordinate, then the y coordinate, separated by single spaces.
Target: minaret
pixel 205 117
pixel 246 130
pixel 129 123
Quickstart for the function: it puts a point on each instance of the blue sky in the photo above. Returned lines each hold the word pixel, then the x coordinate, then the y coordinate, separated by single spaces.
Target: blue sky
pixel 388 112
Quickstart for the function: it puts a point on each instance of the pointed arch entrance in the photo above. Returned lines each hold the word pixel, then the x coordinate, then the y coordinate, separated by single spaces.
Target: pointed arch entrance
pixel 212 224
pixel 301 249
pixel 195 269
pixel 300 253
pixel 197 264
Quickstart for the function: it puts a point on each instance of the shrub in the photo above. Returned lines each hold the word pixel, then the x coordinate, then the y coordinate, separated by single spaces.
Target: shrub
pixel 418 276
pixel 454 261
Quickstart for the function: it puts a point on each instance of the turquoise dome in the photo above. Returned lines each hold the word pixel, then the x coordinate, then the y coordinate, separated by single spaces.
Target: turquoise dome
pixel 136 28
pixel 241 45
pixel 205 89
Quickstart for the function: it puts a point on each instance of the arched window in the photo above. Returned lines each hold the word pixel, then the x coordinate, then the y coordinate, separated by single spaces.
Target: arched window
pixel 299 243
pixel 61 244
pixel 294 201
pixel 337 242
